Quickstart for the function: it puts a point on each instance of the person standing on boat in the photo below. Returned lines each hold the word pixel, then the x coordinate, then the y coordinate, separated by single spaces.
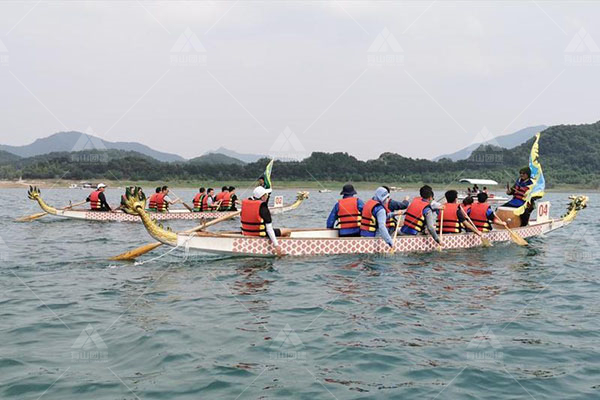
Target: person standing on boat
pixel 98 200
pixel 374 217
pixel 482 215
pixel 420 214
pixel 152 199
pixel 199 199
pixel 346 213
pixel 519 192
pixel 234 199
pixel 256 218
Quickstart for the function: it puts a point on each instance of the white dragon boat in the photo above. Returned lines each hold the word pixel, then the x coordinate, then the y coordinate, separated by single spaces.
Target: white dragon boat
pixel 316 242
pixel 492 198
pixel 124 216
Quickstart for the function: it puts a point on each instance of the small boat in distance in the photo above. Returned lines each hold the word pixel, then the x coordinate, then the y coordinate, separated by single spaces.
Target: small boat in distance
pixel 492 198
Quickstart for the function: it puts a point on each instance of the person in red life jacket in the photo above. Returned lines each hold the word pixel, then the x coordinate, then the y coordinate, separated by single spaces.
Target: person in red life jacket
pixel 455 217
pixel 152 200
pixel 519 192
pixel 163 201
pixel 208 200
pixel 482 215
pixel 98 200
pixel 234 199
pixel 346 213
pixel 256 219
pixel 420 215
pixel 374 217
pixel 199 199
pixel 223 199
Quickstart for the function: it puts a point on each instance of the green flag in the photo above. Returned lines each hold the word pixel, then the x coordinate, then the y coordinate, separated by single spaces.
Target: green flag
pixel 267 175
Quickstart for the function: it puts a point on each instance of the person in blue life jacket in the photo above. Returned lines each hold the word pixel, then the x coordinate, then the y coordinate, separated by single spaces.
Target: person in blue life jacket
pixel 374 217
pixel 346 213
pixel 519 191
pixel 420 215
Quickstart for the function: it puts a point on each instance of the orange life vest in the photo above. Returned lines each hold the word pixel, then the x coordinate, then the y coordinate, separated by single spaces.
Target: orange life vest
pixel 225 198
pixel 152 201
pixel 390 222
pixel 413 216
pixel 479 217
pixel 368 221
pixel 205 206
pixel 199 201
pixel 348 214
pixel 252 223
pixel 520 192
pixel 95 203
pixel 451 222
pixel 161 204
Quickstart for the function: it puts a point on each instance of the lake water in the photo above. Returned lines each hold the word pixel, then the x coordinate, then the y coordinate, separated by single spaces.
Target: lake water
pixel 504 322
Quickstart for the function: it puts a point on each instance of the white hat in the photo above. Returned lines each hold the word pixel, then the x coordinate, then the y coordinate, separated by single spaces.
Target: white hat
pixel 101 185
pixel 259 192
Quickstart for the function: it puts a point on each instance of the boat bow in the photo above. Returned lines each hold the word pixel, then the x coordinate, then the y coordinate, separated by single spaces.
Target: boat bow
pixel 34 194
pixel 576 204
pixel 136 203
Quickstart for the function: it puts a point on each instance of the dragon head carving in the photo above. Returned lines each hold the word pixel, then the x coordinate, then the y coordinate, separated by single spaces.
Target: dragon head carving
pixel 33 193
pixel 135 200
pixel 576 204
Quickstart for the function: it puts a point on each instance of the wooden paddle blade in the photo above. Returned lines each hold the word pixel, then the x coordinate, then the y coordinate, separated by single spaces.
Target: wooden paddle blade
pixel 514 236
pixel 31 217
pixel 133 254
pixel 485 242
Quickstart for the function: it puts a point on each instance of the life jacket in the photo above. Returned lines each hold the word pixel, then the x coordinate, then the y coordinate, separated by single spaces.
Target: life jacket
pixel 368 221
pixel 479 217
pixel 95 203
pixel 152 201
pixel 199 201
pixel 252 223
pixel 390 222
pixel 451 223
pixel 225 198
pixel 348 214
pixel 413 216
pixel 205 206
pixel 521 190
pixel 161 204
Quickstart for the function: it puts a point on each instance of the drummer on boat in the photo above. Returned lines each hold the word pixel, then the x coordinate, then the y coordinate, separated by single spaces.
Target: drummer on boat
pixel 97 199
pixel 420 214
pixel 374 217
pixel 256 218
pixel 346 213
pixel 519 192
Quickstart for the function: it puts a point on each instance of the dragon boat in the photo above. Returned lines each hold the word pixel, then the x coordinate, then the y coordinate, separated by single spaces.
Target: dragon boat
pixel 126 216
pixel 316 242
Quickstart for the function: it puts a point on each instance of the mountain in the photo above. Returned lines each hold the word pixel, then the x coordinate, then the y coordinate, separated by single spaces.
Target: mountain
pixel 507 141
pixel 216 158
pixel 7 158
pixel 77 141
pixel 247 158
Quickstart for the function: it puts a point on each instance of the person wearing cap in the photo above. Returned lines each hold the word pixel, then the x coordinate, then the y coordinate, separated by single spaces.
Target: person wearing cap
pixel 256 219
pixel 98 200
pixel 346 213
pixel 421 213
pixel 374 217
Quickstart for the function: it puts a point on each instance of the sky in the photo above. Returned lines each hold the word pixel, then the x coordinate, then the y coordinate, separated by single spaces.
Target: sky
pixel 287 78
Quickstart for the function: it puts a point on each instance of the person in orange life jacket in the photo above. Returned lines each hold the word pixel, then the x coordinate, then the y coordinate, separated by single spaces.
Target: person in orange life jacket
pixel 374 217
pixel 209 200
pixel 420 214
pixel 482 215
pixel 234 199
pixel 347 213
pixel 198 199
pixel 519 192
pixel 98 200
pixel 163 201
pixel 223 199
pixel 454 215
pixel 152 199
pixel 256 218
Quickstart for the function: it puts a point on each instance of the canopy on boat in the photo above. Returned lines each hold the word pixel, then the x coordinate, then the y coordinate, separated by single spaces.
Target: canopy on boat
pixel 479 181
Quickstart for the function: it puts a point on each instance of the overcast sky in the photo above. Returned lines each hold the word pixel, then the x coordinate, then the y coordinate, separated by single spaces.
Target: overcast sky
pixel 415 78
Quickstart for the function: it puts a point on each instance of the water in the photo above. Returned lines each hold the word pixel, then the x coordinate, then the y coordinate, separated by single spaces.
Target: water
pixel 506 322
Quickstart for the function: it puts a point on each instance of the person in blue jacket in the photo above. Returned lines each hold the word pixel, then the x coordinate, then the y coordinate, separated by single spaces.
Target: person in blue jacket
pixel 346 213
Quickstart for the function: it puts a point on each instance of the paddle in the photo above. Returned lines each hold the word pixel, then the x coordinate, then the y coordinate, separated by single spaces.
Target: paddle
pixel 182 202
pixel 393 248
pixel 441 228
pixel 132 254
pixel 485 242
pixel 514 236
pixel 32 217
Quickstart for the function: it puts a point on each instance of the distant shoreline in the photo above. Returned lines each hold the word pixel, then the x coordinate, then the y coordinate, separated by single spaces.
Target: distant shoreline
pixel 334 186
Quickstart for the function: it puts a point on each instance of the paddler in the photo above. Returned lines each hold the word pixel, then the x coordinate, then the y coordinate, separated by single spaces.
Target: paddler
pixel 519 192
pixel 420 214
pixel 346 213
pixel 98 200
pixel 234 199
pixel 374 217
pixel 223 199
pixel 208 200
pixel 256 218
pixel 391 206
pixel 163 201
pixel 455 217
pixel 482 215
pixel 199 199
pixel 152 199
